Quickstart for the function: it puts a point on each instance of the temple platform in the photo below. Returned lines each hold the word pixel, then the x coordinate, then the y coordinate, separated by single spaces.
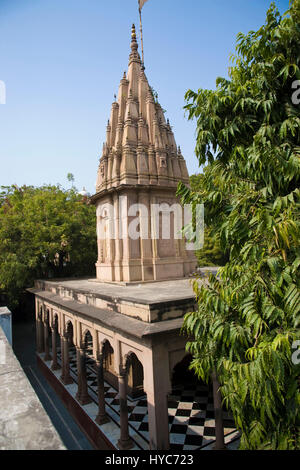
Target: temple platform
pixel 149 302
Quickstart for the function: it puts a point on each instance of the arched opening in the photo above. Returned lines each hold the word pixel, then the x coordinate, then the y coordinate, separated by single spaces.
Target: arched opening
pixel 47 321
pixel 72 348
pixel 137 400
pixel 108 364
pixel 55 326
pixel 47 335
pixel 90 361
pixel 135 384
pixel 54 342
pixel 191 410
pixel 40 342
pixel 88 346
pixel 70 334
pixel 69 330
pixel 67 353
pixel 182 374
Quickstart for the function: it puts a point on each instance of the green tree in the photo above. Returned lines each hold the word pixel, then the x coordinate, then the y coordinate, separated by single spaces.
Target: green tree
pixel 248 131
pixel 44 232
pixel 70 178
pixel 211 254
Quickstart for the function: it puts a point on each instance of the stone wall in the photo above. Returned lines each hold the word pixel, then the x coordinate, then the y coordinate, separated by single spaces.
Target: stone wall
pixel 24 424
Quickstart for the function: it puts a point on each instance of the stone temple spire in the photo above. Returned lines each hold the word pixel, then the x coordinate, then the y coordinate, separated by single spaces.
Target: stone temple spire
pixel 137 126
pixel 140 166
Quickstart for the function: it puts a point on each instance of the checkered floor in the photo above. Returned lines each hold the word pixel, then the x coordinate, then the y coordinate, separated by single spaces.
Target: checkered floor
pixel 190 409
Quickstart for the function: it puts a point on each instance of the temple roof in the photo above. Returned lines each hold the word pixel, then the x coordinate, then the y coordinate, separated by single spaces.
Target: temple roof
pixel 140 147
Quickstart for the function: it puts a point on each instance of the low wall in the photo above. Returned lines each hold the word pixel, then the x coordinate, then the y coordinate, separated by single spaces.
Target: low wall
pixel 24 424
pixel 86 424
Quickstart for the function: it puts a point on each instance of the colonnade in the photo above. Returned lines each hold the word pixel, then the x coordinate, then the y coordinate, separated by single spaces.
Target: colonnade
pixel 54 325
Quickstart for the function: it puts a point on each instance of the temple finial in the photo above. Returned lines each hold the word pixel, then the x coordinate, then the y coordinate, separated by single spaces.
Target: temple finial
pixel 133 32
pixel 134 44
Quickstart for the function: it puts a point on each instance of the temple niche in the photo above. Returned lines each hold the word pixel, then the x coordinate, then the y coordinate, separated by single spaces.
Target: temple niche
pixel 139 169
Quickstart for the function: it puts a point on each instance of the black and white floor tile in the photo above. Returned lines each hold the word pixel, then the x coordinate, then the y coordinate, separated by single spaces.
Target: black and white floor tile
pixel 190 409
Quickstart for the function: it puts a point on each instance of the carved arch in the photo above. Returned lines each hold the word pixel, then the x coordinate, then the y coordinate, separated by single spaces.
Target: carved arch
pixel 131 351
pixel 55 320
pixel 47 315
pixel 127 360
pixel 69 322
pixel 84 336
pixel 107 351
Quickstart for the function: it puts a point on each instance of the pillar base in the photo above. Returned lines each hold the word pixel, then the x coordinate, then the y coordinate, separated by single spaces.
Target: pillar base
pixel 47 357
pixel 125 445
pixel 55 367
pixel 102 419
pixel 83 400
pixel 219 448
pixel 66 380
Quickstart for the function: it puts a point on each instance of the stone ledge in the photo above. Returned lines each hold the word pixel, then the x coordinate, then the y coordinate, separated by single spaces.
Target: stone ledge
pixel 112 320
pixel 150 302
pixel 88 427
pixel 24 424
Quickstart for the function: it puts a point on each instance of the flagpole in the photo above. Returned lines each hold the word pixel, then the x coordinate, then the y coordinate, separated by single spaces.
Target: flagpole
pixel 141 29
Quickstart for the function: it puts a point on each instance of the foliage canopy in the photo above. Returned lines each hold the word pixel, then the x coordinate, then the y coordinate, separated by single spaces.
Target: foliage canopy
pixel 44 232
pixel 248 133
pixel 211 253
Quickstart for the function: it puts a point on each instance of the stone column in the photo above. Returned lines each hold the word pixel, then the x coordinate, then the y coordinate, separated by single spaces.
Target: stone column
pixel 65 377
pixel 62 355
pixel 125 442
pixel 157 386
pixel 46 339
pixel 82 394
pixel 102 417
pixel 39 335
pixel 54 365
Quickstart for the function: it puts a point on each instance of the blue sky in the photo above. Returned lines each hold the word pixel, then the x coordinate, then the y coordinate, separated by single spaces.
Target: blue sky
pixel 62 61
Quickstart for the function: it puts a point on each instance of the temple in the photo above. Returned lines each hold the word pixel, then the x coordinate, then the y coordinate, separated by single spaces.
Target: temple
pixel 112 347
pixel 140 166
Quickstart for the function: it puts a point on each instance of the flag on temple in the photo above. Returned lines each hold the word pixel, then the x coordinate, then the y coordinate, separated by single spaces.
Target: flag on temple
pixel 142 3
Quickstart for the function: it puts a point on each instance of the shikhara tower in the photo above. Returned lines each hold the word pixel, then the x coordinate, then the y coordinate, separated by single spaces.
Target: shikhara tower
pixel 141 161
